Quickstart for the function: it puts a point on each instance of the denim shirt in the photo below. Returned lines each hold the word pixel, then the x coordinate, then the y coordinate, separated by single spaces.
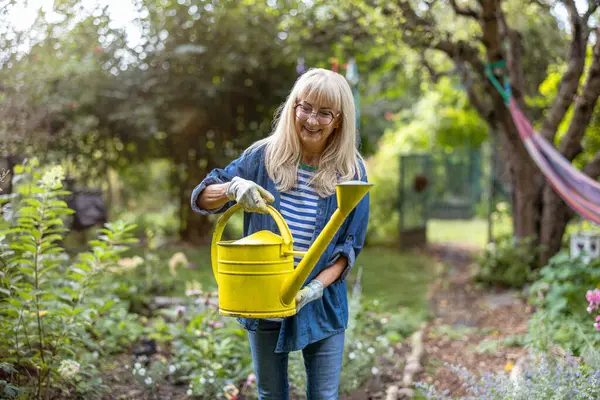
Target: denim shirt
pixel 320 318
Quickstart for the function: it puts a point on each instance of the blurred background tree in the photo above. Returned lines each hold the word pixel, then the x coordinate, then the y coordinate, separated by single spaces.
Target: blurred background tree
pixel 145 113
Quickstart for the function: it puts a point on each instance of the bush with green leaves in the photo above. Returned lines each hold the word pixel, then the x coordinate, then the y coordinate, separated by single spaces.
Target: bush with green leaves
pixel 559 294
pixel 547 378
pixel 508 262
pixel 45 307
pixel 562 285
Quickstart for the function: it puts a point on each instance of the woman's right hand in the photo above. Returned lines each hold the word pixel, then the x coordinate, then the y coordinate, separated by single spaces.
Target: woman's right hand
pixel 249 195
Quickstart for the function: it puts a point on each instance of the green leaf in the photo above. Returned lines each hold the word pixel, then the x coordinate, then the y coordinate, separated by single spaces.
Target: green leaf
pixel 33 202
pixel 63 211
pixel 59 193
pixel 54 221
pixel 22 261
pixel 57 203
pixel 15 302
pixel 28 211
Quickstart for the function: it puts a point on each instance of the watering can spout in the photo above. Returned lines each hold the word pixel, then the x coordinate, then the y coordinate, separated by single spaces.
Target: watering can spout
pixel 349 194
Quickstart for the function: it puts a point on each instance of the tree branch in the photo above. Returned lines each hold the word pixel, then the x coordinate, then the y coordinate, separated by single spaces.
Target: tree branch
pixel 591 9
pixel 569 82
pixel 570 145
pixel 465 11
pixel 513 58
pixel 435 76
pixel 485 110
pixel 593 167
pixel 422 34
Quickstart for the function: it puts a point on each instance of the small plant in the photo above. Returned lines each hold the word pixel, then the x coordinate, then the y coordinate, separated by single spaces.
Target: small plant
pixel 508 262
pixel 546 379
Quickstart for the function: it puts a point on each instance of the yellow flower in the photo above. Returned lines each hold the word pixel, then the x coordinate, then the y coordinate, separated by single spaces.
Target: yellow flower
pixel 40 313
pixel 176 259
pixel 509 366
pixel 126 264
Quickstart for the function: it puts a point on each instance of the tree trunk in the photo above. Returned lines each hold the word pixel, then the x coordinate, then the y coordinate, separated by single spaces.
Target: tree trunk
pixel 538 211
pixel 556 214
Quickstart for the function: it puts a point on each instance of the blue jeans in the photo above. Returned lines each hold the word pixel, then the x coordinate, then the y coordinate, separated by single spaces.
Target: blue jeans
pixel 322 360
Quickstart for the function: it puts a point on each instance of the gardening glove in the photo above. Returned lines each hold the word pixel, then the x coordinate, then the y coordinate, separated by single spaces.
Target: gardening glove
pixel 310 292
pixel 249 195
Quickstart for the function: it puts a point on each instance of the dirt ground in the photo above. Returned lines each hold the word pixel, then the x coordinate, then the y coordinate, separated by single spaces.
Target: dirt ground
pixel 466 321
pixel 467 317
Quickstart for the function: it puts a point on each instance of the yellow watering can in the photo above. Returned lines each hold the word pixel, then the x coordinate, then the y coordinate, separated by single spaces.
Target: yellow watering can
pixel 256 275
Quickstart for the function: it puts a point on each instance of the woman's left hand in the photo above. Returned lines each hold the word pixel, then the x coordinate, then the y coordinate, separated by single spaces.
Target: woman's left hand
pixel 310 292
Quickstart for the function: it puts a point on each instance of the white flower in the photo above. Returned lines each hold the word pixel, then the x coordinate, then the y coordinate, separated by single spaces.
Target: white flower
pixel 142 372
pixel 359 345
pixel 202 381
pixel 53 178
pixel 371 350
pixel 211 380
pixel 137 365
pixel 172 369
pixel 189 392
pixel 211 373
pixel 68 369
pixel 374 370
pixel 148 381
pixel 352 356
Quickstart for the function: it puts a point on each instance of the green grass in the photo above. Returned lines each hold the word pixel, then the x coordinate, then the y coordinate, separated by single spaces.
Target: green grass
pixel 395 279
pixel 469 232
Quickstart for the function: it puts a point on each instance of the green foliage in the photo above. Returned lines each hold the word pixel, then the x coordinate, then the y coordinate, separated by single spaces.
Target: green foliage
pixel 548 90
pixel 561 287
pixel 508 262
pixel 365 340
pixel 452 125
pixel 114 330
pixel 44 294
pixel 559 293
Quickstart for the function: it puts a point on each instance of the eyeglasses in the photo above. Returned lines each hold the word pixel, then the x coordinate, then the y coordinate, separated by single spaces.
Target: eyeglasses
pixel 303 113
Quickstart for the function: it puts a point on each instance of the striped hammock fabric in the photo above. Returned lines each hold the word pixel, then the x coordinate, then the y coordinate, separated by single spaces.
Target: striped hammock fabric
pixel 578 190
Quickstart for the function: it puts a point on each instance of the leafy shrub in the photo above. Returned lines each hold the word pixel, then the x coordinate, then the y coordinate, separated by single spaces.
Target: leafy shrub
pixel 547 379
pixel 559 293
pixel 44 295
pixel 561 287
pixel 508 262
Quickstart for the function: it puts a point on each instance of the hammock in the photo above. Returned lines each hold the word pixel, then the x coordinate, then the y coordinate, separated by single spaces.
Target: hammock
pixel 578 190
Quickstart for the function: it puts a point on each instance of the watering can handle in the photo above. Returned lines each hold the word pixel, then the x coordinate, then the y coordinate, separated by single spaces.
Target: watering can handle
pixel 281 224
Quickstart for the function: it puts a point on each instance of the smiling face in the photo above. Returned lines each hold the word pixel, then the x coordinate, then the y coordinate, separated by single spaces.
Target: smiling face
pixel 315 121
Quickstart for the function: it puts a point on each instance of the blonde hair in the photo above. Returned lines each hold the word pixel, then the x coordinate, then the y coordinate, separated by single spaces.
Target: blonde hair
pixel 340 160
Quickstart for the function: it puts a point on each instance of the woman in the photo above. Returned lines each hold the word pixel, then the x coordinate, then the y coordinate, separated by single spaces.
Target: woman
pixel 297 168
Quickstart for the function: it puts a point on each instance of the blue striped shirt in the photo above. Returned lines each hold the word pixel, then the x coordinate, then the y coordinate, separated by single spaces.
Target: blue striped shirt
pixel 299 209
